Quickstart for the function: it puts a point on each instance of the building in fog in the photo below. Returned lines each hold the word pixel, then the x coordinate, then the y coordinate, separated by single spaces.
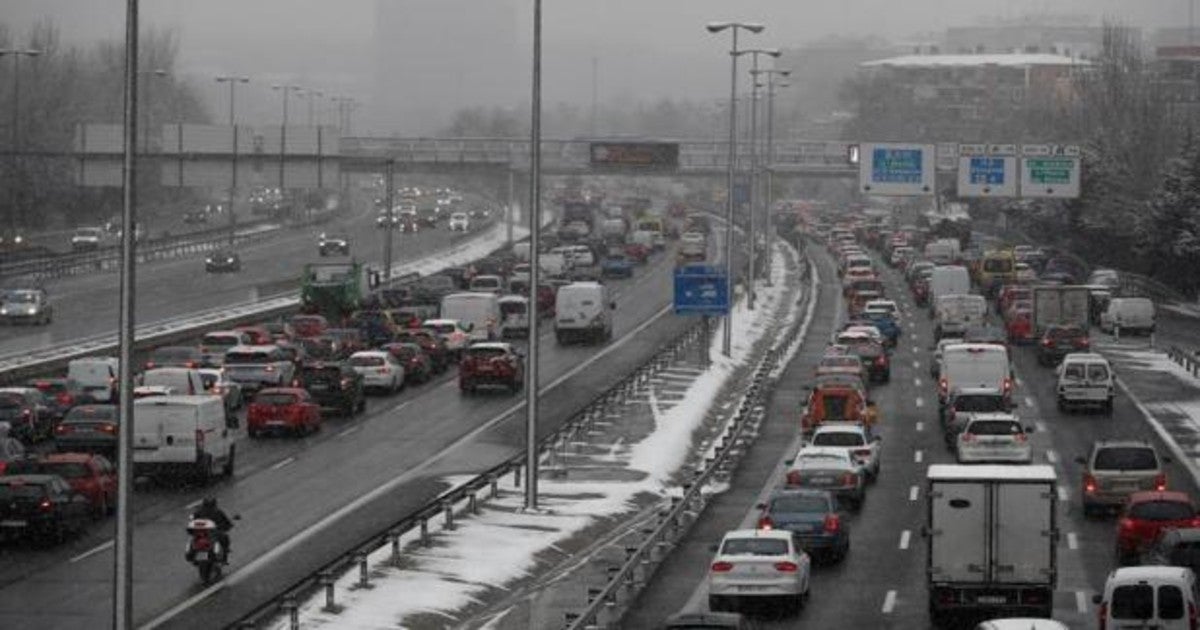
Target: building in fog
pixel 1066 35
pixel 434 57
pixel 811 108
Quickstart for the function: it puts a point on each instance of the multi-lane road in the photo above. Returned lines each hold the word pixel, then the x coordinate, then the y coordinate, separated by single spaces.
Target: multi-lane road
pixel 881 584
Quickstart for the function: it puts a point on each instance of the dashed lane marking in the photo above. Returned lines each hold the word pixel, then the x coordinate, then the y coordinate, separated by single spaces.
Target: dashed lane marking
pixel 920 426
pixel 348 431
pixel 916 381
pixel 1081 601
pixel 905 538
pixel 1040 426
pixel 914 492
pixel 91 552
pixel 1072 541
pixel 281 463
pixel 916 364
pixel 920 402
pixel 918 456
pixel 889 602
pixel 1029 402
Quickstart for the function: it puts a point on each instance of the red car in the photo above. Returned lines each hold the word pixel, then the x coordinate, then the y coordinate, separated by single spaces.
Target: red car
pixel 283 408
pixel 89 474
pixel 546 297
pixel 637 252
pixel 1018 323
pixel 491 363
pixel 309 325
pixel 1146 514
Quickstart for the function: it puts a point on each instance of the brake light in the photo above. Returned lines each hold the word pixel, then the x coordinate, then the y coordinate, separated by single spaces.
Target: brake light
pixel 881 360
pixel 793 478
pixel 1021 438
pixel 967 437
pixel 787 567
pixel 45 505
pixel 1103 614
pixel 1089 483
pixel 1126 524
pixel 1008 385
pixel 64 398
pixel 64 429
pixel 1160 482
pixel 722 567
pixel 766 523
pixel 1049 343
pixel 3 466
pixel 149 365
pixel 108 428
pixel 383 370
pixel 832 524
pixel 943 386
pixel 199 439
pixel 848 478
pixel 1085 343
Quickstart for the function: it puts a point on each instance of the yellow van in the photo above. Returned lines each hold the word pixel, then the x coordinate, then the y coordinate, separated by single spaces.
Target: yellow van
pixel 997 267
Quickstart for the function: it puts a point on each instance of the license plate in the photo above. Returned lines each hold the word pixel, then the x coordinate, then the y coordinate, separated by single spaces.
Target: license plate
pixel 277 423
pixel 201 556
pixel 318 387
pixel 13 523
pixel 822 481
pixel 750 588
pixel 991 599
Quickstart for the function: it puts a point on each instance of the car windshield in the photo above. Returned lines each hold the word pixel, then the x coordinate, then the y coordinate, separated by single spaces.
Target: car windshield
pixel 1161 511
pixel 486 353
pixel 321 374
pixel 366 361
pixel 1125 458
pixel 980 404
pixel 838 438
pixel 994 427
pixel 800 503
pixel 754 547
pixel 835 407
pixel 248 358
pixel 21 297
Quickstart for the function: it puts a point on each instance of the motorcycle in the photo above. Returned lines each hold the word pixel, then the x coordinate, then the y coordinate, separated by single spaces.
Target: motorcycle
pixel 205 550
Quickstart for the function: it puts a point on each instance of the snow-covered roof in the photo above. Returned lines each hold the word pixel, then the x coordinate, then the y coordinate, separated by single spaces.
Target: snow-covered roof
pixel 1010 60
pixel 1022 472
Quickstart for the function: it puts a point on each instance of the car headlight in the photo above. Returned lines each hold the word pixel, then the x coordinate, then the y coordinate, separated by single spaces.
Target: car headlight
pixel 4 310
pixel 32 310
pixel 229 260
pixel 208 260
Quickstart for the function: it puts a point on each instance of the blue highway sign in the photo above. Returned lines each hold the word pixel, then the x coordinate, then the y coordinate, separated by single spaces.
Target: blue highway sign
pixel 701 290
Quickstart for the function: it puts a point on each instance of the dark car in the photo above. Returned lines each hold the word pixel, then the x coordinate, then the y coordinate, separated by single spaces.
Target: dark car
pixel 347 341
pixel 279 330
pixel 223 261
pixel 89 474
pixel 175 356
pixel 813 518
pixel 433 345
pixel 418 368
pixel 704 621
pixel 61 394
pixel 333 244
pixel 309 325
pixel 1059 341
pixel 11 450
pixel 41 506
pixel 28 421
pixel 333 385
pixel 88 428
pixel 876 361
pixel 1179 547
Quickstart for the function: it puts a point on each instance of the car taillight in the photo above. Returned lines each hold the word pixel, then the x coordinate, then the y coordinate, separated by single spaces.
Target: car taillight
pixel 862 452
pixel 721 567
pixel 848 478
pixel 149 365
pixel 1103 615
pixel 1008 385
pixel 1089 483
pixel 1160 482
pixel 45 505
pixel 64 398
pixel 1126 524
pixel 107 427
pixel 1193 617
pixel 1084 343
pixel 765 522
pixel 63 429
pixel 27 412
pixel 1021 438
pixel 967 437
pixel 881 361
pixel 787 567
pixel 383 370
pixel 1049 343
pixel 3 466
pixel 832 524
pixel 943 386
pixel 199 439
pixel 793 478
pixel 414 360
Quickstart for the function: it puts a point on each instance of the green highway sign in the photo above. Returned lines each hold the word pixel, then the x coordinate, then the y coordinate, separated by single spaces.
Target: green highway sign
pixel 1056 171
pixel 1049 170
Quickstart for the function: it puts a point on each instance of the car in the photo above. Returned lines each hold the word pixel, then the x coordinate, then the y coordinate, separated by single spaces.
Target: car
pixel 89 474
pixel 1115 469
pixel 289 409
pixel 812 516
pixel 43 507
pixel 418 368
pixel 217 383
pixel 1057 341
pixel 834 398
pixel 1154 597
pixel 459 222
pixel 61 394
pixel 487 283
pixel 192 217
pixel 616 265
pixel 704 621
pixel 386 220
pixel 886 324
pixel 408 222
pixel 347 341
pixel 26 306
pixel 259 335
pixel 223 260
pixel 1146 515
pixel 832 469
pixel 758 564
pixel 1021 623
pixel 309 325
pixel 491 363
pixel 175 356
pixel 257 367
pixel 12 451
pixel 993 437
pixel 87 239
pixel 279 330
pixel 841 364
pixel 333 385
pixel 380 370
pixel 27 413
pixel 455 335
pixel 90 428
pixel 858 440
pixel 1085 379
pixel 886 306
pixel 329 243
pixel 1175 547
pixel 874 357
pixel 963 403
pixel 432 345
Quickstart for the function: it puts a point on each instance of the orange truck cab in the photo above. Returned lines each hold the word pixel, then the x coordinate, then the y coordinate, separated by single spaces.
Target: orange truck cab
pixel 835 402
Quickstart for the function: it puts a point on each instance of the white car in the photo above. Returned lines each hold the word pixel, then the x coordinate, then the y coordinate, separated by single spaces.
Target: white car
pixel 994 437
pixel 858 440
pixel 757 564
pixel 86 238
pixel 379 370
pixel 460 222
pixel 451 331
pixel 881 306
pixel 854 335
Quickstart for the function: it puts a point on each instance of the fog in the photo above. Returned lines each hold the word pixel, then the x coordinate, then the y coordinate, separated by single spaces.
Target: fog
pixel 413 62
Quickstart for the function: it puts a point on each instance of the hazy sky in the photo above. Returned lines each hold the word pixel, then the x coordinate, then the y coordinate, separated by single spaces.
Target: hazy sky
pixel 644 48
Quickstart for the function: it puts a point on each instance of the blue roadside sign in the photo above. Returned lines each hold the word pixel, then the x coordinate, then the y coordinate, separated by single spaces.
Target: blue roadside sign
pixel 701 290
pixel 987 170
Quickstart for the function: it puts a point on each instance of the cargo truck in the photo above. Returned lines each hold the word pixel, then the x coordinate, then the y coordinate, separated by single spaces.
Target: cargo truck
pixel 334 290
pixel 1066 305
pixel 992 535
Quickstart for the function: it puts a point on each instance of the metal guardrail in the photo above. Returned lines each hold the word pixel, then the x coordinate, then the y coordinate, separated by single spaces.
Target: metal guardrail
pixel 464 496
pixel 1189 361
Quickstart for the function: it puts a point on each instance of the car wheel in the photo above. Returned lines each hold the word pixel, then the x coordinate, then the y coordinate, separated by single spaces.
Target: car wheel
pixel 101 510
pixel 227 470
pixel 1108 407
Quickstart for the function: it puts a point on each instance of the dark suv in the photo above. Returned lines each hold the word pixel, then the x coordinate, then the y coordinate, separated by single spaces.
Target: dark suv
pixel 1058 341
pixel 333 385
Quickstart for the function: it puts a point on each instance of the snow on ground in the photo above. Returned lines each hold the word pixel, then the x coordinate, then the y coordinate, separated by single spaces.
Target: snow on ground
pixel 487 552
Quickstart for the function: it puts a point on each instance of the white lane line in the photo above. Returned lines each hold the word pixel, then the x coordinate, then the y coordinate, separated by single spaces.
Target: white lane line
pixel 1072 541
pixel 905 538
pixel 281 463
pixel 912 336
pixel 1051 456
pixel 889 602
pixel 1062 494
pixel 920 426
pixel 349 431
pixel 1081 601
pixel 918 456
pixel 1040 426
pixel 920 402
pixel 916 381
pixel 304 535
pixel 914 492
pixel 916 364
pixel 91 552
pixel 1029 402
pixel 916 349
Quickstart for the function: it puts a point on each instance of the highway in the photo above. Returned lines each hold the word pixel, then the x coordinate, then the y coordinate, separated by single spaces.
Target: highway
pixel 881 582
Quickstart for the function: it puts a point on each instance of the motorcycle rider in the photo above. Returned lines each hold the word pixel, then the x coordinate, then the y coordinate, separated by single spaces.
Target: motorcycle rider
pixel 208 510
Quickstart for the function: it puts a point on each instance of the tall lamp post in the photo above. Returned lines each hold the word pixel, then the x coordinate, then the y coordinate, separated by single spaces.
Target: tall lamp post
pixel 754 166
pixel 768 198
pixel 148 103
pixel 311 94
pixel 16 54
pixel 534 214
pixel 734 27
pixel 285 89
pixel 232 80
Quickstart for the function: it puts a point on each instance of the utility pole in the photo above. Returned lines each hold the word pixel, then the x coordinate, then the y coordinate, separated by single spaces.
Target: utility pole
pixel 534 213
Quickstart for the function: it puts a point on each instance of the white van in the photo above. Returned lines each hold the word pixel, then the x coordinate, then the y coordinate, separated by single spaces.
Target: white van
pixel 487 283
pixel 479 313
pixel 1159 597
pixel 974 365
pixel 181 380
pixel 514 316
pixel 955 313
pixel 183 434
pixel 582 312
pixel 97 376
pixel 948 280
pixel 1085 378
pixel 1129 314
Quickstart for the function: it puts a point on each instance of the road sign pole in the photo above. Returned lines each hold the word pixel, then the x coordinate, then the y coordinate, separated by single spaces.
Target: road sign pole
pixel 388 231
pixel 705 342
pixel 534 213
pixel 727 332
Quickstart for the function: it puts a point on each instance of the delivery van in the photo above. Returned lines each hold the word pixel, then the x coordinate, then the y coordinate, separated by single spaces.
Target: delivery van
pixel 1129 315
pixel 97 376
pixel 947 280
pixel 583 312
pixel 183 435
pixel 982 365
pixel 479 313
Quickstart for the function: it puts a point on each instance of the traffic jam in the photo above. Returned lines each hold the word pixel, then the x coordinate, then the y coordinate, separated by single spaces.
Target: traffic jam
pixel 1011 327
pixel 200 404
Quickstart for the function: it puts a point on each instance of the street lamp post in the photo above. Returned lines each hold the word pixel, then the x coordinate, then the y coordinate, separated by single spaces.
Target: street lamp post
pixel 755 197
pixel 157 72
pixel 16 54
pixel 534 214
pixel 717 27
pixel 232 80
pixel 285 89
pixel 311 94
pixel 769 227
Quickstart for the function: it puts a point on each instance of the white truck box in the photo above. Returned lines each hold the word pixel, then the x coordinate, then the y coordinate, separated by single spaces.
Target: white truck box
pixel 480 310
pixel 582 311
pixel 183 434
pixel 955 313
pixel 1062 305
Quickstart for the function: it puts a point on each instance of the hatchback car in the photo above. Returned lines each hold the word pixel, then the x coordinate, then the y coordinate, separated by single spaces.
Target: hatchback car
pixel 813 518
pixel 29 420
pixel 379 369
pixel 1146 515
pixel 858 440
pixel 89 474
pixel 61 394
pixel 963 403
pixel 491 364
pixel 1057 341
pixel 831 469
pixel 1115 469
pixel 289 409
pixel 994 437
pixel 418 368
pixel 88 428
pixel 43 507
pixel 758 564
pixel 333 385
pixel 333 244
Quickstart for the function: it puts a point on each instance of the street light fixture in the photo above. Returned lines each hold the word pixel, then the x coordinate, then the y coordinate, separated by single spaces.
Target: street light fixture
pixel 769 227
pixel 734 27
pixel 232 80
pixel 157 72
pixel 16 54
pixel 311 94
pixel 285 89
pixel 753 188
